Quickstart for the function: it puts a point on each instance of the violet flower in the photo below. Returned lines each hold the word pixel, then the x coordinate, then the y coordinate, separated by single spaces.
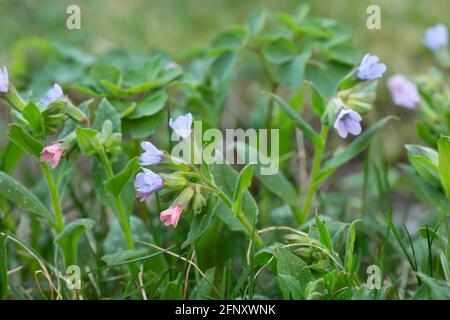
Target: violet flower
pixel 404 92
pixel 152 155
pixel 436 37
pixel 348 121
pixel 146 183
pixel 4 80
pixel 371 68
pixel 182 125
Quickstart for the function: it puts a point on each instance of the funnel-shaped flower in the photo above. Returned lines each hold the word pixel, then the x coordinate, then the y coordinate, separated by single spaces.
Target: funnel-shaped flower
pixel 371 68
pixel 436 37
pixel 171 215
pixel 182 125
pixel 348 121
pixel 4 80
pixel 152 155
pixel 146 183
pixel 52 95
pixel 52 154
pixel 404 92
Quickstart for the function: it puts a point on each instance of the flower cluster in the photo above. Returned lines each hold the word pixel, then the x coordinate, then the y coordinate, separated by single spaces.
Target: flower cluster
pixel 148 182
pixel 345 109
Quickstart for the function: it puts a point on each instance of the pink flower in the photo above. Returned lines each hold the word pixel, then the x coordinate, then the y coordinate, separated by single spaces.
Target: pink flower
pixel 171 216
pixel 404 92
pixel 52 154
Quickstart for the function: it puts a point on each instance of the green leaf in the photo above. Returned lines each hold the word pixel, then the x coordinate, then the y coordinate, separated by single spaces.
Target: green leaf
pixel 116 184
pixel 33 115
pixel 318 102
pixel 298 121
pixel 106 111
pixel 353 149
pixel 22 197
pixel 88 140
pixel 444 163
pixel 280 51
pixel 150 105
pixel 256 21
pixel 143 127
pixel 432 289
pixel 350 248
pixel 293 273
pixel 290 288
pixel 326 76
pixel 225 177
pixel 123 256
pixel 425 161
pixel 106 72
pixel 427 191
pixel 3 267
pixel 243 183
pixel 68 238
pixel 291 73
pixel 324 235
pixel 201 223
pixel 232 39
pixel 24 140
pixel 276 183
pixel 10 157
pixel 223 64
pixel 115 241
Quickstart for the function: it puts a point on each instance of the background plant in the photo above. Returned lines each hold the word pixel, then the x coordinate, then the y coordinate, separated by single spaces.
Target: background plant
pixel 308 232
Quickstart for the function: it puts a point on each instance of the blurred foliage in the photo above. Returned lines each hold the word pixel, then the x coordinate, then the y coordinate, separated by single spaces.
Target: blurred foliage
pixel 182 26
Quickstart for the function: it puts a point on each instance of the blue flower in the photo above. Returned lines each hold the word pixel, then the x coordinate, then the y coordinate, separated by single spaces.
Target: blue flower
pixel 52 95
pixel 4 80
pixel 348 121
pixel 182 125
pixel 371 68
pixel 146 183
pixel 436 37
pixel 151 155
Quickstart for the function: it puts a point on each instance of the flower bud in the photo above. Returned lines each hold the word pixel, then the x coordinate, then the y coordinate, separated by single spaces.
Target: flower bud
pixel 184 198
pixel 75 113
pixel 54 116
pixel 360 98
pixel 334 106
pixel 174 181
pixel 198 202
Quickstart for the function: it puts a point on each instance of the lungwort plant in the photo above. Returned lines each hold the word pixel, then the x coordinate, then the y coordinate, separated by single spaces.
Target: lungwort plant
pixel 97 201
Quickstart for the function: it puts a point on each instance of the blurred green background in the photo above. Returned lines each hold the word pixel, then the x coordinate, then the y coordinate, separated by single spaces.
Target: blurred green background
pixel 177 25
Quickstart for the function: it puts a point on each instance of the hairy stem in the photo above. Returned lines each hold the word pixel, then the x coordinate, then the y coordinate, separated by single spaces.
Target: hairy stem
pixel 121 213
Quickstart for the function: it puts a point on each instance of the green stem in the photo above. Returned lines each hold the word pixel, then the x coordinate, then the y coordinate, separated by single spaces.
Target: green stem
pixel 53 189
pixel 312 186
pixel 14 99
pixel 122 215
pixel 240 215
